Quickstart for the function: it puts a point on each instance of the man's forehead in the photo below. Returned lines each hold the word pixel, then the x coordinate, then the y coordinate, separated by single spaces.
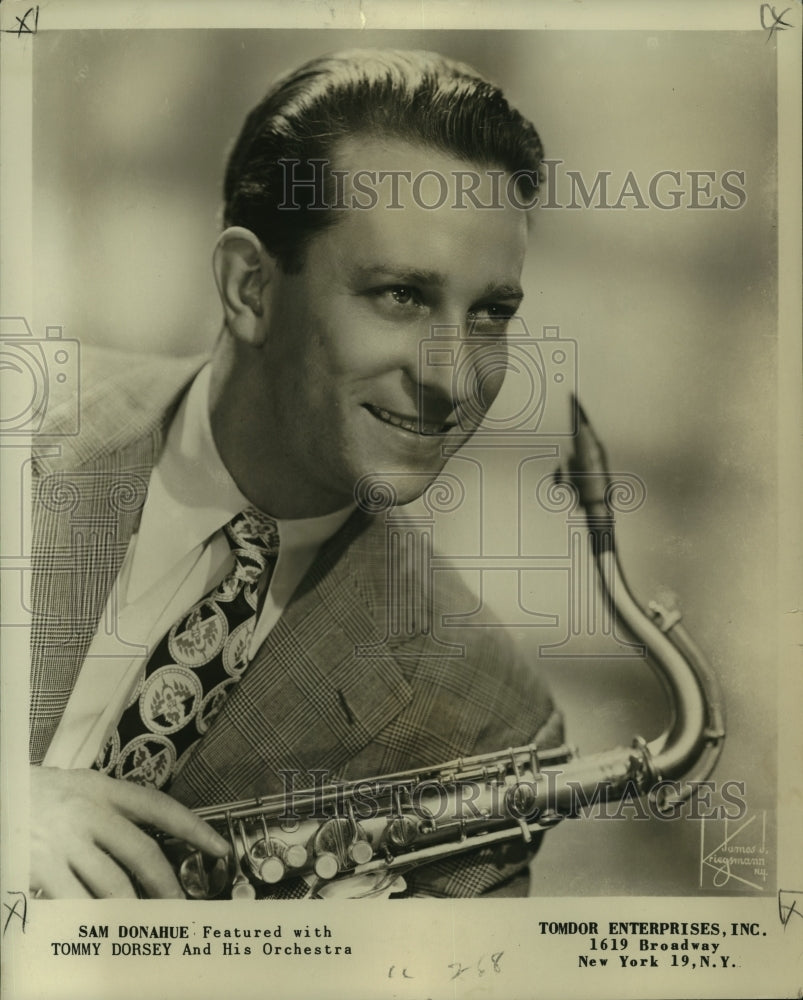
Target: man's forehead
pixel 416 215
pixel 400 173
pixel 377 148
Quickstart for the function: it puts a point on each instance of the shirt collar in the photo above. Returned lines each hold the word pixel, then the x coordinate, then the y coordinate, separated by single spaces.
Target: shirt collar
pixel 191 495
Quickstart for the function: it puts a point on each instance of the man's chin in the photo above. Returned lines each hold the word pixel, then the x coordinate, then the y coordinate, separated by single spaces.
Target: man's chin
pixel 396 487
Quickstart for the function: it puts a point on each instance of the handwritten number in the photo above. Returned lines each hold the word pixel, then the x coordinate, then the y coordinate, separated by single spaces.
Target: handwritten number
pixel 460 969
pixel 13 911
pixel 787 905
pixel 23 28
pixel 496 958
pixel 404 973
pixel 778 23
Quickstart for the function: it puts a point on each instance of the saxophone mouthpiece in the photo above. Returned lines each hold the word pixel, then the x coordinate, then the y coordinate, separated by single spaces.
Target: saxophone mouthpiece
pixel 588 464
pixel 581 413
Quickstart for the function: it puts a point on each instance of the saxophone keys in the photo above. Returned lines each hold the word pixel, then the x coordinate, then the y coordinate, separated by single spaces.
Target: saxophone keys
pixel 201 877
pixel 339 844
pixel 295 856
pixel 269 859
pixel 326 865
pixel 241 888
pixel 402 832
pixel 272 870
pixel 361 852
pixel 521 800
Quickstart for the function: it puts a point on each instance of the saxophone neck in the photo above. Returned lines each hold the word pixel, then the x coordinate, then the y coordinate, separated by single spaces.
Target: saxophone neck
pixel 692 743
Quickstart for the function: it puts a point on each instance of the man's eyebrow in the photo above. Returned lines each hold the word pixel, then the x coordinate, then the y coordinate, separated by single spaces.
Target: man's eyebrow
pixel 405 275
pixel 503 290
pixel 400 273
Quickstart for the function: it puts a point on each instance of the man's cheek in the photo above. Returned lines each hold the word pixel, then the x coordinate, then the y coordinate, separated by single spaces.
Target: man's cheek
pixel 476 386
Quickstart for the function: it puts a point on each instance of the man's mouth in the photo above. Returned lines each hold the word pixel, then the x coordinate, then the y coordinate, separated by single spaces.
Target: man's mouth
pixel 414 425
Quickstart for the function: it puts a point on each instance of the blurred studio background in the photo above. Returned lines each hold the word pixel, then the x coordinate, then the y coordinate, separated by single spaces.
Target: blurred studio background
pixel 671 315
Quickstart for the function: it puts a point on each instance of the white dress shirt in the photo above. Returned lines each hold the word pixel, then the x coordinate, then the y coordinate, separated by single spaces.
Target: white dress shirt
pixel 178 554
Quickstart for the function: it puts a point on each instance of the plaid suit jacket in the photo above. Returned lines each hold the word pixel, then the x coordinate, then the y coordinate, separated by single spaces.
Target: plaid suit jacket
pixel 331 688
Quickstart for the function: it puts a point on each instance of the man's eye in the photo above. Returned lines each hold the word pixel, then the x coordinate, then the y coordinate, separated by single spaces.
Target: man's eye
pixel 397 303
pixel 401 294
pixel 496 316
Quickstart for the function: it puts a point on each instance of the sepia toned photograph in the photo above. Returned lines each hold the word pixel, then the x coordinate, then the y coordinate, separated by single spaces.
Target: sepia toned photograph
pixel 399 472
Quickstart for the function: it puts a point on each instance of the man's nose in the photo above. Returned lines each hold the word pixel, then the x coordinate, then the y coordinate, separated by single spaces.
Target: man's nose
pixel 433 369
pixel 461 370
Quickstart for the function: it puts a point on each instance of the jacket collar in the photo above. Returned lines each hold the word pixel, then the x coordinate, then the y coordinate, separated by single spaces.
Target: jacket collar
pixel 113 385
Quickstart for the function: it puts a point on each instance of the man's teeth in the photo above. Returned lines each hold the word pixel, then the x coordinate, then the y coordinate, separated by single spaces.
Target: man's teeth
pixel 415 426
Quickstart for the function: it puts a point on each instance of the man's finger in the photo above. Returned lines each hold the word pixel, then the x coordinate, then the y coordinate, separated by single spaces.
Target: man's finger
pixel 142 856
pixel 147 805
pixel 60 883
pixel 104 877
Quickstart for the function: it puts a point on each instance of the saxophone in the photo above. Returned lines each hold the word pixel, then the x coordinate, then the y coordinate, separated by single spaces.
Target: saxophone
pixel 391 823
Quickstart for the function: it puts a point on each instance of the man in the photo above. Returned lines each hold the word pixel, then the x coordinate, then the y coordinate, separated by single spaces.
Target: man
pixel 371 198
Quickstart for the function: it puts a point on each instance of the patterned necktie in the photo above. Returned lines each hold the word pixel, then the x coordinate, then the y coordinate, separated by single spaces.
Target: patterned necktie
pixel 190 672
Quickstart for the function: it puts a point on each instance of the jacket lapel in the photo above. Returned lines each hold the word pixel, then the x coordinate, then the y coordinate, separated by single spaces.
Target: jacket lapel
pixel 88 493
pixel 83 521
pixel 313 697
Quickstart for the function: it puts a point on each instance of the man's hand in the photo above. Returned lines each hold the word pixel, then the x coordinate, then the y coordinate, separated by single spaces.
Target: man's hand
pixel 86 839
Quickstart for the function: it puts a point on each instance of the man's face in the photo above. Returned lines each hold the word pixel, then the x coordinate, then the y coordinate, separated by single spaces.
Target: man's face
pixel 344 394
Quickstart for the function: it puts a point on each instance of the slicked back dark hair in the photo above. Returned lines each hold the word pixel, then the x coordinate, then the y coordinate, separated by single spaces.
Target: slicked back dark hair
pixel 422 97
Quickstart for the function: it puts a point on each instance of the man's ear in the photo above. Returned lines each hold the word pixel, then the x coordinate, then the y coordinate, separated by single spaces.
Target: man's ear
pixel 243 271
